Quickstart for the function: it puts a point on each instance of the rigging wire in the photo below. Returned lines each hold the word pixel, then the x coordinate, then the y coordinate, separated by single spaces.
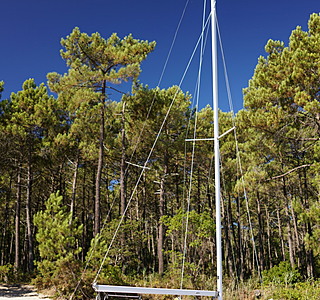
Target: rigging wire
pixel 193 144
pixel 229 96
pixel 139 138
pixel 238 151
pixel 160 80
pixel 192 112
pixel 147 159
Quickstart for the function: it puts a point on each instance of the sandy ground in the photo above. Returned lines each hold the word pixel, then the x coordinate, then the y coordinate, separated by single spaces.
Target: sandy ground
pixel 19 292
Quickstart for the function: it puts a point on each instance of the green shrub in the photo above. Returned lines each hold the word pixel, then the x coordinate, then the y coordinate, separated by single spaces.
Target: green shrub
pixel 309 290
pixel 57 236
pixel 6 273
pixel 281 274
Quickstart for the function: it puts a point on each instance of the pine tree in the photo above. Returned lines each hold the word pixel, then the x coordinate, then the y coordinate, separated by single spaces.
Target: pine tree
pixel 283 111
pixel 58 240
pixel 28 119
pixel 96 65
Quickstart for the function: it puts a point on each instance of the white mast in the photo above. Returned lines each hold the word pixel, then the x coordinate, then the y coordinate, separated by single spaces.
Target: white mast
pixel 216 147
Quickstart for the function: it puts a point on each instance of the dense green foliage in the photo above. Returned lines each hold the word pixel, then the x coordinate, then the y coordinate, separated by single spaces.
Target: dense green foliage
pixel 71 167
pixel 58 238
pixel 281 274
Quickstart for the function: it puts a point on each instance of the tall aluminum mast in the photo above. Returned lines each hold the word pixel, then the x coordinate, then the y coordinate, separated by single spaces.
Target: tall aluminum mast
pixel 216 147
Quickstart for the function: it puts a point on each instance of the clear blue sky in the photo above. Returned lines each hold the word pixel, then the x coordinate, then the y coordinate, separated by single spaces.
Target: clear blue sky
pixel 31 33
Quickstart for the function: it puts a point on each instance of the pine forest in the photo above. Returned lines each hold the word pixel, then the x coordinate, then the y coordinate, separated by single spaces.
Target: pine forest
pixel 76 163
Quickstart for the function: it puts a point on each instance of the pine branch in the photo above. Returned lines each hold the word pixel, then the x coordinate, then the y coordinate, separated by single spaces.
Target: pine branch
pixel 290 171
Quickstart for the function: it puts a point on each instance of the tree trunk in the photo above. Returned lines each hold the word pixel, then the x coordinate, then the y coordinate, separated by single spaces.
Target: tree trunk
pixel 240 248
pixel 28 219
pixel 74 187
pixel 160 226
pixel 310 256
pixel 269 238
pixel 296 235
pixel 228 248
pixel 6 232
pixel 235 248
pixel 122 178
pixel 17 222
pixel 261 254
pixel 84 220
pixel 289 233
pixel 123 162
pixel 281 235
pixel 100 164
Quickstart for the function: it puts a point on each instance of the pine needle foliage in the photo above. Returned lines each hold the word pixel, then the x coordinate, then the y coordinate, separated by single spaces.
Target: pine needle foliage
pixel 58 238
